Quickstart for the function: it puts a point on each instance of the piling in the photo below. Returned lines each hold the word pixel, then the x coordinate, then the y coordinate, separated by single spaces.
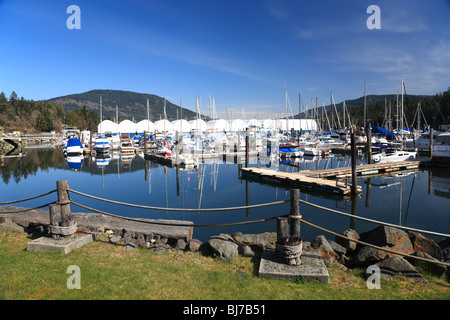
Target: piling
pixel 354 189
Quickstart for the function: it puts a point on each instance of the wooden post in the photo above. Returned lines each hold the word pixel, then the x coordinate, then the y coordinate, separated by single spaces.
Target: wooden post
pixel 145 143
pixel 431 143
pixel 62 224
pixel 282 230
pixel 247 146
pixel 354 190
pixel 295 212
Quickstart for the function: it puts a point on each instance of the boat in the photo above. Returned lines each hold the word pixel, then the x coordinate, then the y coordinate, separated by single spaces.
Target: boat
pixel 441 149
pixel 126 147
pixel 163 150
pixel 101 144
pixel 73 147
pixel 310 152
pixel 394 155
pixel 290 150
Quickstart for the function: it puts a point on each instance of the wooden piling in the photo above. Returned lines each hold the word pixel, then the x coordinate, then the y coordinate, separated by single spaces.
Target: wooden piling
pixel 295 212
pixel 62 224
pixel 354 189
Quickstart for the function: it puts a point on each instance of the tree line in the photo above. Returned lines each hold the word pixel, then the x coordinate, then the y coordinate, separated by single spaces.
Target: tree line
pixel 43 116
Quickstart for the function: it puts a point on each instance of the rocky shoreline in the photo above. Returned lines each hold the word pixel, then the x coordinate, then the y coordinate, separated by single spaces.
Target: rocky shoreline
pixel 342 252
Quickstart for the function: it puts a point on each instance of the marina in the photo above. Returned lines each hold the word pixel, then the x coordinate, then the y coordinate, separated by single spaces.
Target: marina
pixel 398 197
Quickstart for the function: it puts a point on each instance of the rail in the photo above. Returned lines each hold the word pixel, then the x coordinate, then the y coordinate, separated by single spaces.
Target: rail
pixel 292 216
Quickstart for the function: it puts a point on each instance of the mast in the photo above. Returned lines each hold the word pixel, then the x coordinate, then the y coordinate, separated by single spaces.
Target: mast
pixel 365 86
pixel 101 116
pixel 401 121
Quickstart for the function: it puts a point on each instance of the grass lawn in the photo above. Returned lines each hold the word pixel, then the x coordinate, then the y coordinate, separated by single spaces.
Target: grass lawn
pixel 110 272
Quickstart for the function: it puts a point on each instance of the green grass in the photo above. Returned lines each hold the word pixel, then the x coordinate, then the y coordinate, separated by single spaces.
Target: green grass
pixel 110 272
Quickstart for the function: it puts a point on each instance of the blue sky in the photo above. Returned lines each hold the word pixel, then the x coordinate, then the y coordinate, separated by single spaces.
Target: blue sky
pixel 241 53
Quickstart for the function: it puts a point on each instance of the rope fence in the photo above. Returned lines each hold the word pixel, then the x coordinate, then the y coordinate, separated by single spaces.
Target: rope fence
pixel 294 217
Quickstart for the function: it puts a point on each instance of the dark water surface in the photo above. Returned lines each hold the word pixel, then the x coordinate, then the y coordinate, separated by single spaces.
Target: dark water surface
pixel 420 199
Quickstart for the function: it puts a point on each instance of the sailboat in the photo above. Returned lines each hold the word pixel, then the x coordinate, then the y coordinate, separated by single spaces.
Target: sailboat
pixel 396 155
pixel 101 141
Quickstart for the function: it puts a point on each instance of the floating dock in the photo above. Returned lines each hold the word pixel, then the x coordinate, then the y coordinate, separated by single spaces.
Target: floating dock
pixel 329 181
pixel 297 180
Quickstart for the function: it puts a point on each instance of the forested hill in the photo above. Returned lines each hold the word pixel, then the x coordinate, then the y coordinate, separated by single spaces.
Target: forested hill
pixel 129 105
pixel 435 109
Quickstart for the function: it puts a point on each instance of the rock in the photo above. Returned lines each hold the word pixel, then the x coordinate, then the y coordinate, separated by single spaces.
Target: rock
pixel 382 236
pixel 403 244
pixel 423 244
pixel 140 240
pixel 9 225
pixel 322 243
pixel 340 250
pixel 434 268
pixel 181 244
pixel 257 242
pixel 225 246
pixel 130 246
pixel 347 244
pixel 445 254
pixel 115 239
pixel 248 252
pixel 398 266
pixel 127 235
pixel 366 256
pixel 159 248
pixel 109 232
pixel 194 245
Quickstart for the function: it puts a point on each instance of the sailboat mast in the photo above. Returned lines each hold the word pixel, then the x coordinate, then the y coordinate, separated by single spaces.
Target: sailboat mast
pixel 365 86
pixel 401 121
pixel 101 116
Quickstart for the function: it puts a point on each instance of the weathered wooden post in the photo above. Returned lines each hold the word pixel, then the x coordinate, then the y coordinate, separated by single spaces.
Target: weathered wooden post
pixel 431 143
pixel 354 189
pixel 289 247
pixel 62 224
pixel 247 147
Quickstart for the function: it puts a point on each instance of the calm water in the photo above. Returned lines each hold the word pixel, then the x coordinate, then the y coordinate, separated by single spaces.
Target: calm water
pixel 420 199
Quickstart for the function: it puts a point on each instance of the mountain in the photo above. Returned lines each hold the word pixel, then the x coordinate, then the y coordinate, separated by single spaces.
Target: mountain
pixel 130 105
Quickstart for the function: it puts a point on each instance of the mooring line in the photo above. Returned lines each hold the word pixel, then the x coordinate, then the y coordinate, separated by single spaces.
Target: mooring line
pixel 374 221
pixel 181 209
pixel 173 224
pixel 16 201
pixel 371 245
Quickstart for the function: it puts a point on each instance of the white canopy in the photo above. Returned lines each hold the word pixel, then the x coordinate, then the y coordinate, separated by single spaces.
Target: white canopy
pixel 218 125
pixel 181 125
pixel 163 125
pixel 127 126
pixel 254 123
pixel 145 125
pixel 107 126
pixel 198 125
pixel 237 124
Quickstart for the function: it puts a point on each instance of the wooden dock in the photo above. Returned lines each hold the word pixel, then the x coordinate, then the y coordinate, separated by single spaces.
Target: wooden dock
pixel 367 170
pixel 328 181
pixel 299 180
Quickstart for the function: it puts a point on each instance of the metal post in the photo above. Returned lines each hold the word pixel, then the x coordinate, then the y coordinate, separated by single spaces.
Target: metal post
pixel 369 143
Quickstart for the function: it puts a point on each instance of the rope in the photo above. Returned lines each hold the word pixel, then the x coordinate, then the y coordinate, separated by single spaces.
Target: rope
pixel 374 246
pixel 29 209
pixel 374 221
pixel 181 209
pixel 172 224
pixel 15 201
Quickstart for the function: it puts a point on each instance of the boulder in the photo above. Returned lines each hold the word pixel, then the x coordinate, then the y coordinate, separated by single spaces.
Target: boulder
pixel 181 244
pixel 9 225
pixel 347 244
pixel 194 245
pixel 257 242
pixel 382 236
pixel 395 266
pixel 423 244
pixel 366 256
pixel 433 268
pixel 225 246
